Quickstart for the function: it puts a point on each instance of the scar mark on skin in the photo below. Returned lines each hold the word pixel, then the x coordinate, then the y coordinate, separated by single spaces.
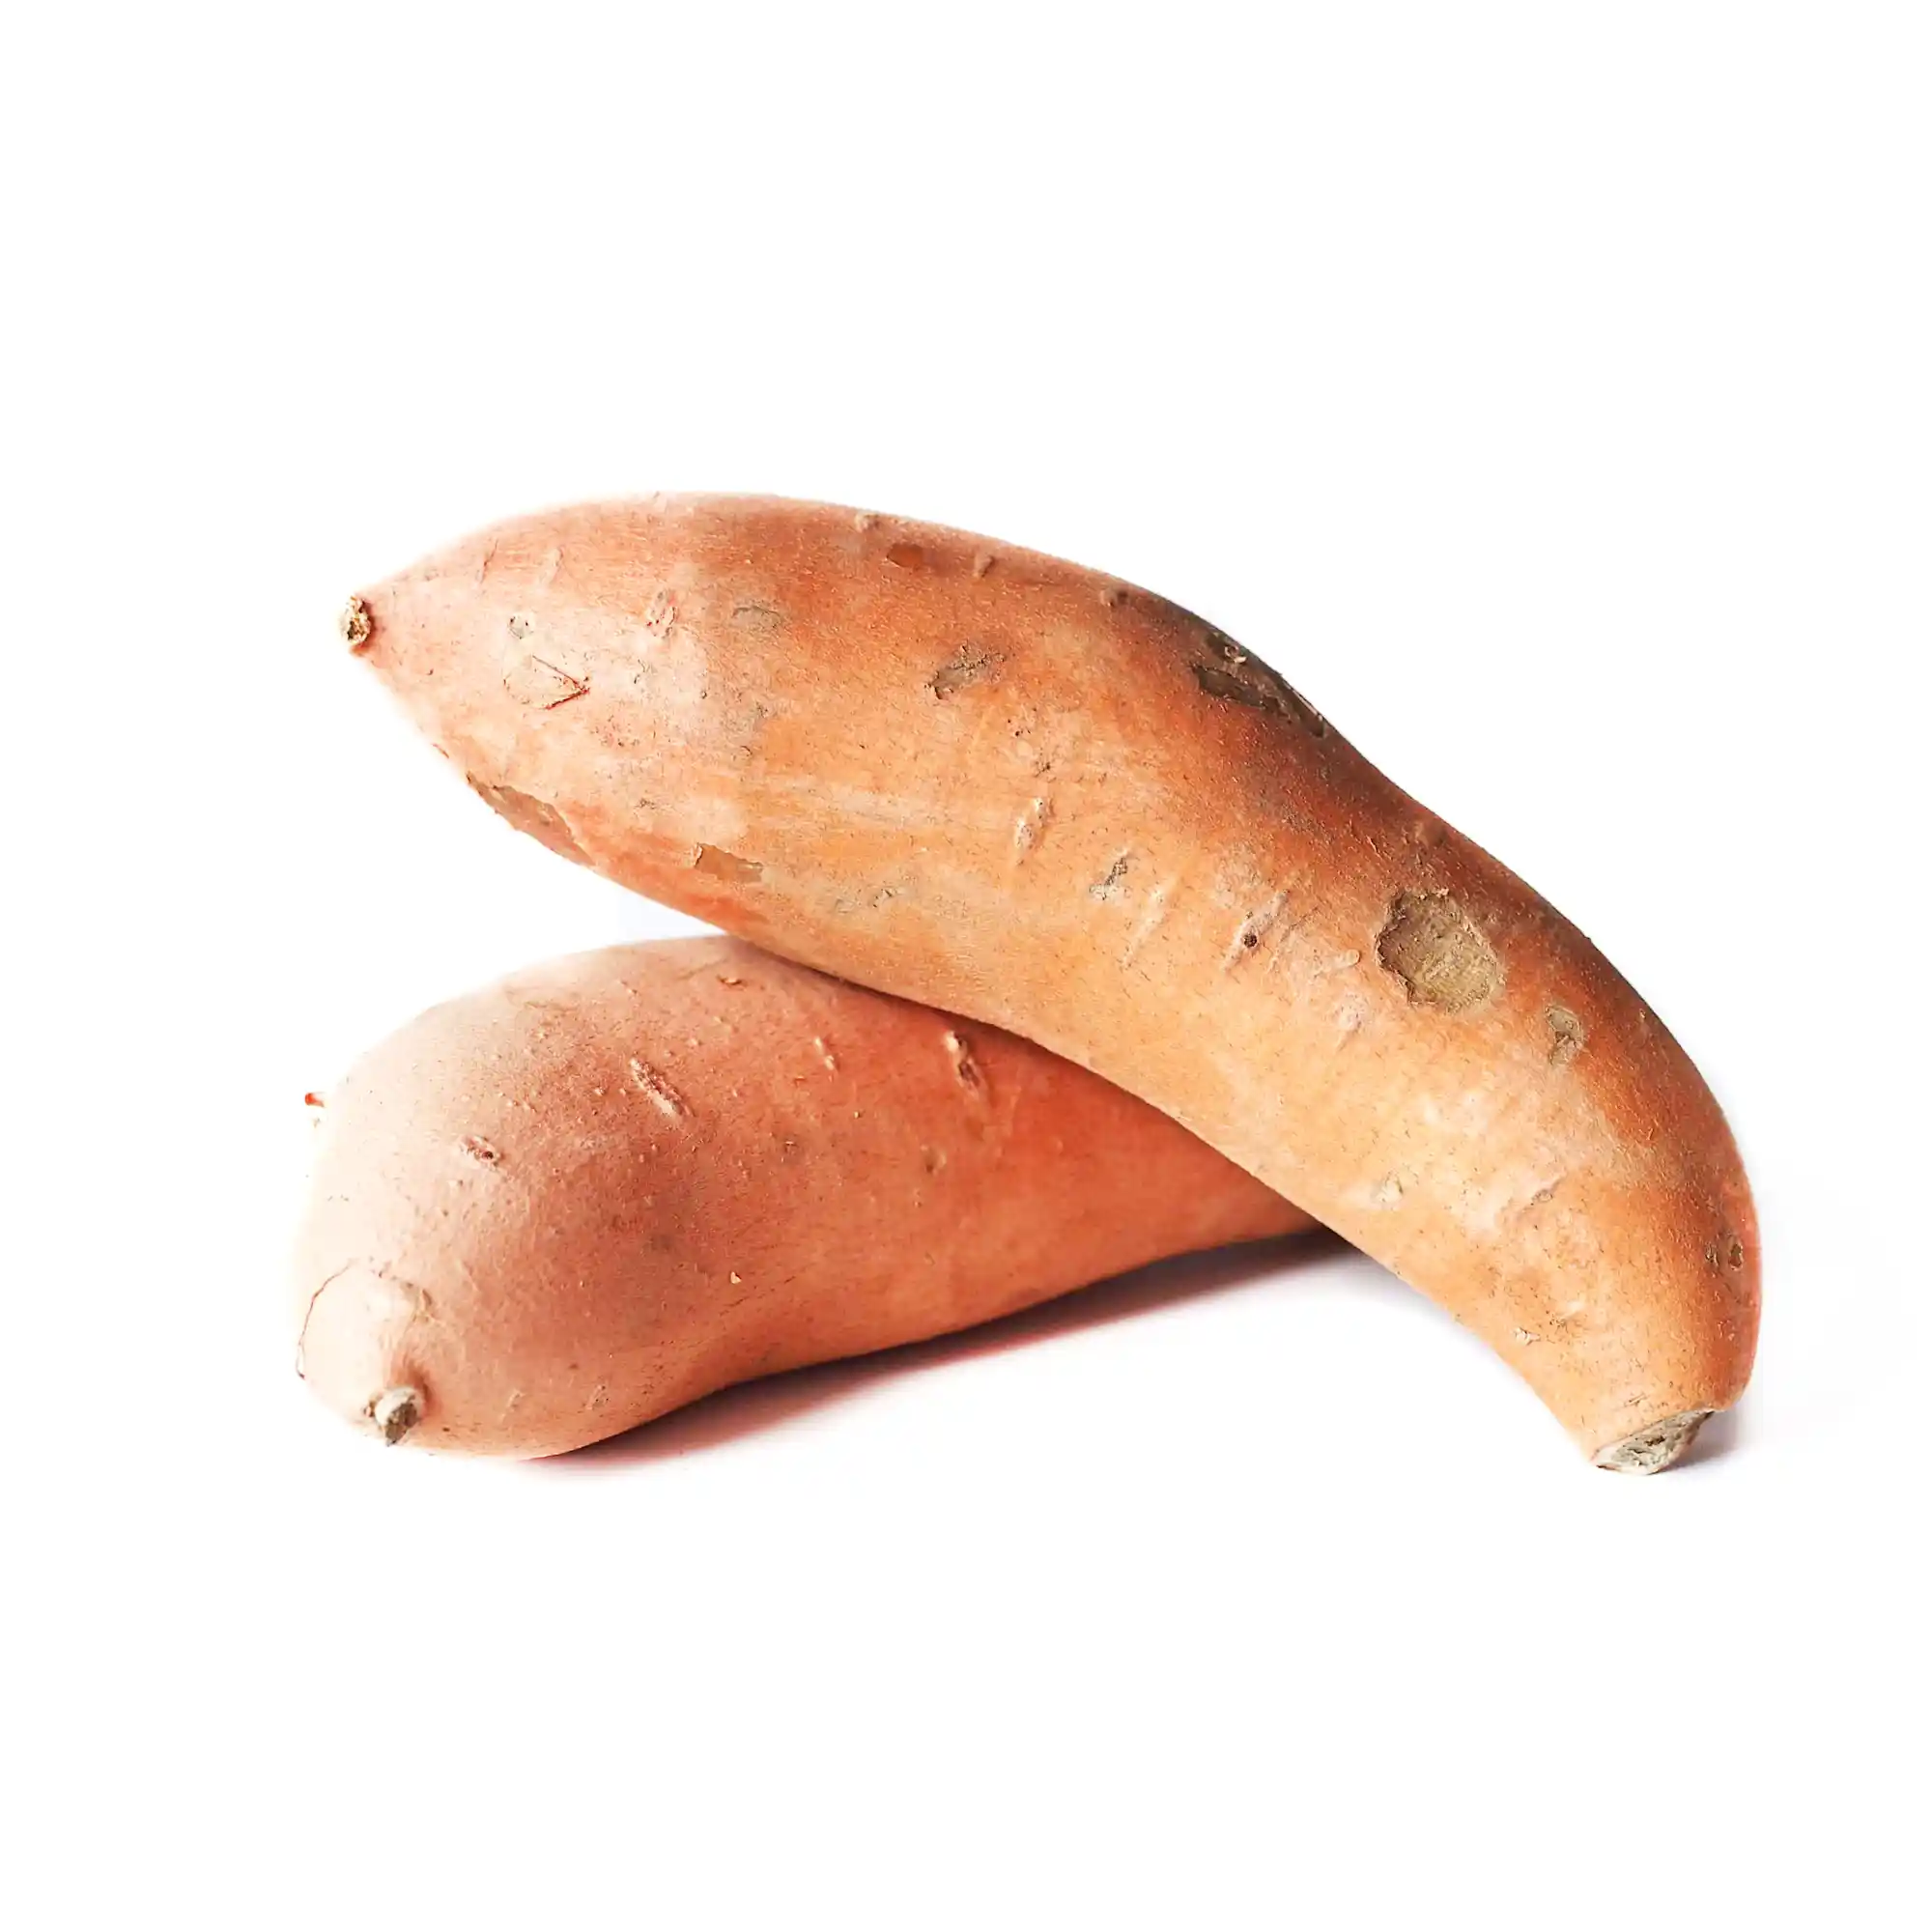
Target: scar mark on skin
pixel 356 624
pixel 553 559
pixel 1241 679
pixel 1110 887
pixel 539 682
pixel 971 665
pixel 965 1069
pixel 660 614
pixel 1566 1035
pixel 1542 1196
pixel 763 618
pixel 478 1150
pixel 1252 930
pixel 542 822
pixel 484 562
pixel 308 1314
pixel 1031 827
pixel 658 1090
pixel 722 864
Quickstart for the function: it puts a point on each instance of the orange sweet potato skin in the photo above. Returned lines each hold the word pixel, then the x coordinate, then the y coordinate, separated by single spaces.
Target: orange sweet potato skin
pixel 1033 794
pixel 563 1204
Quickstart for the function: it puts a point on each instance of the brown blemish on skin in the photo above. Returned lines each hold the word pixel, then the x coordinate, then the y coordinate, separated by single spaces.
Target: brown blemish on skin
pixel 1114 595
pixel 932 1158
pixel 1252 930
pixel 722 864
pixel 520 626
pixel 763 618
pixel 1734 1255
pixel 538 681
pixel 970 666
pixel 1241 679
pixel 478 1150
pixel 1108 886
pixel 905 557
pixel 660 614
pixel 983 563
pixel 532 815
pixel 356 624
pixel 1439 953
pixel 1566 1035
pixel 658 1090
pixel 965 1069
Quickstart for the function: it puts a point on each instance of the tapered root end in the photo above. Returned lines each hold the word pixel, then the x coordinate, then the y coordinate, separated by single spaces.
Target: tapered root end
pixel 1653 1448
pixel 395 1412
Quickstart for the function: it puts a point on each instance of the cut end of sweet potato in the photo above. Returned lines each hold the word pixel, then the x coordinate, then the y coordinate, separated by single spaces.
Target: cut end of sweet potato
pixel 356 624
pixel 395 1412
pixel 1656 1448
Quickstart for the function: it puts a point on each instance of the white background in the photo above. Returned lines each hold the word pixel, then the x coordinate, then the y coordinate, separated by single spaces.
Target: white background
pixel 1544 389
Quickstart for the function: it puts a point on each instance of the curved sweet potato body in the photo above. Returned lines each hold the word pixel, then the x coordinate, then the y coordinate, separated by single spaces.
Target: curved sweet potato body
pixel 556 1208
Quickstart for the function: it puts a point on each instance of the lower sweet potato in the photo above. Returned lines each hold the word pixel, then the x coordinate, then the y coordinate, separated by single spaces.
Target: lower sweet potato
pixel 557 1207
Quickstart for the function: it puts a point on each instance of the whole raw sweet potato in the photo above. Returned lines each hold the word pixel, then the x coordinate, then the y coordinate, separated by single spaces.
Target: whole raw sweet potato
pixel 556 1208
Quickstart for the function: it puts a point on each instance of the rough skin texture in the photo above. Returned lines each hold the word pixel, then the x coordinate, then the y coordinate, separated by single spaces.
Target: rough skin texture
pixel 561 1205
pixel 1023 791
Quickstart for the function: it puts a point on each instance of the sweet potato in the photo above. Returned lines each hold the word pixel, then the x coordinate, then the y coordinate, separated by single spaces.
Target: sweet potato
pixel 1023 791
pixel 557 1207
